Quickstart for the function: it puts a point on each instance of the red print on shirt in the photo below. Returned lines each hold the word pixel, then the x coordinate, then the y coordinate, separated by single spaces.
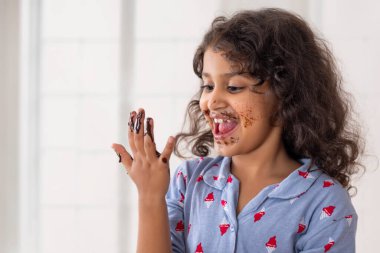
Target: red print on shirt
pixel 182 199
pixel 329 245
pixel 200 178
pixel 327 212
pixel 259 215
pixel 271 245
pixel 224 225
pixel 301 226
pixel 327 183
pixel 305 174
pixel 229 179
pixel 209 199
pixel 348 219
pixel 224 204
pixel 199 248
pixel 180 227
pixel 184 177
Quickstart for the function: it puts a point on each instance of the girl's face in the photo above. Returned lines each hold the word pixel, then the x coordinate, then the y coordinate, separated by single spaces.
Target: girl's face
pixel 238 116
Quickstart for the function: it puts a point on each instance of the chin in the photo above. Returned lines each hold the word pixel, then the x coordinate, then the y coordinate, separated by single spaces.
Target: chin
pixel 224 150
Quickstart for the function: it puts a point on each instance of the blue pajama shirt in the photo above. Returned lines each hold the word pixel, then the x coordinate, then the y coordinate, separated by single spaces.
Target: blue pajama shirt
pixel 307 212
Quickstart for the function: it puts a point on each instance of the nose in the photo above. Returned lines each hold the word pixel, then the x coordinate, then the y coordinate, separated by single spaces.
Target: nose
pixel 217 99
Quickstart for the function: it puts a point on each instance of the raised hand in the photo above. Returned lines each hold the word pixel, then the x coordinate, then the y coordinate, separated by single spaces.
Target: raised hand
pixel 148 169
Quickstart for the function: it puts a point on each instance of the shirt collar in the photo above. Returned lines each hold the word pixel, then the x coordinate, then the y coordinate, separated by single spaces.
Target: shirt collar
pixel 217 171
pixel 298 182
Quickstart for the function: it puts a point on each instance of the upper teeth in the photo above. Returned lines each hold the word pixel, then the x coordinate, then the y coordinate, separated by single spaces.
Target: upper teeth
pixel 221 120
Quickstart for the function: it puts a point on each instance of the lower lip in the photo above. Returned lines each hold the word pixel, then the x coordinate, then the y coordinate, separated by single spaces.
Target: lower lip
pixel 223 136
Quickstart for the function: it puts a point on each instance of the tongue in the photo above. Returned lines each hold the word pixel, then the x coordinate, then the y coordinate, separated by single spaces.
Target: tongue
pixel 226 127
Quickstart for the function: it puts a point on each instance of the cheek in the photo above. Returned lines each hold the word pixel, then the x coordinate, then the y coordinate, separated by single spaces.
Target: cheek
pixel 204 109
pixel 250 113
pixel 203 103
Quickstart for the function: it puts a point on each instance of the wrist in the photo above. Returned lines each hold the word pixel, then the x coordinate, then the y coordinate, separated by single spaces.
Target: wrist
pixel 147 200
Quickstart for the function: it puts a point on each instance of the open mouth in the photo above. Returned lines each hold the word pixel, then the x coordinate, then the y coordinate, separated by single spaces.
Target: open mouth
pixel 223 128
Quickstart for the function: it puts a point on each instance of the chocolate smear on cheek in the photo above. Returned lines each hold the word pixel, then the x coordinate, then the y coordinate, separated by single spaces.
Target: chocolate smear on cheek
pixel 247 116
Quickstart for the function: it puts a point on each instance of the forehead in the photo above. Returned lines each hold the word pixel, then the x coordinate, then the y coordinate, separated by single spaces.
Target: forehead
pixel 215 63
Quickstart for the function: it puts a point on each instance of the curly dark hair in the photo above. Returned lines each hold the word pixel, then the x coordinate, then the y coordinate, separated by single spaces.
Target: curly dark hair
pixel 276 45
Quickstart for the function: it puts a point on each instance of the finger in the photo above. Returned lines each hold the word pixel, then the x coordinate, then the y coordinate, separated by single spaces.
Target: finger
pixel 150 131
pixel 149 146
pixel 125 157
pixel 149 127
pixel 131 137
pixel 168 150
pixel 139 131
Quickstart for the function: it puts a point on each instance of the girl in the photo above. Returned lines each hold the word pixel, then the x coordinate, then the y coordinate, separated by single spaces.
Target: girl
pixel 272 106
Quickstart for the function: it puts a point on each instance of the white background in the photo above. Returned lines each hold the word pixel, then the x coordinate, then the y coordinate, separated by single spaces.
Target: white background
pixel 72 70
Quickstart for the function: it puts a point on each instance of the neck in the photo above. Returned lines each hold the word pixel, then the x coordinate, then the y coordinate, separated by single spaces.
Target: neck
pixel 270 160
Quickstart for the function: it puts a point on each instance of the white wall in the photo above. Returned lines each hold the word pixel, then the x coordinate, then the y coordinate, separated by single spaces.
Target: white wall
pixel 9 134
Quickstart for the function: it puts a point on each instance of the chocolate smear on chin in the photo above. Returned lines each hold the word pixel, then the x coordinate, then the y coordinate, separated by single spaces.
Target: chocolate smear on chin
pixel 234 139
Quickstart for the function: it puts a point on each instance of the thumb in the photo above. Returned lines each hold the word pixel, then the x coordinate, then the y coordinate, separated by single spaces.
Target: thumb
pixel 168 150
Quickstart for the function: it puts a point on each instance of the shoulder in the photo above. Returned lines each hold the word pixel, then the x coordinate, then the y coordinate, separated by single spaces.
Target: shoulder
pixel 330 207
pixel 332 197
pixel 331 216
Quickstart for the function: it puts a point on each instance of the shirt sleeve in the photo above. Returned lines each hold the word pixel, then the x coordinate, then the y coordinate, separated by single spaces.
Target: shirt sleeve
pixel 175 200
pixel 336 237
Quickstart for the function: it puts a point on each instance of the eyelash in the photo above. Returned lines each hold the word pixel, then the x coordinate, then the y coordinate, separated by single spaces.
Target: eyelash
pixel 232 89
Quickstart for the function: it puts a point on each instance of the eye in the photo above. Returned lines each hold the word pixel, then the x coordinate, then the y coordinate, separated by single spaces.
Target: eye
pixel 207 87
pixel 234 89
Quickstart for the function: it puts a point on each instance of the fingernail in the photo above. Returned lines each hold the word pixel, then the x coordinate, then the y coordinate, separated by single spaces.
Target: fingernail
pixel 119 157
pixel 138 121
pixel 164 160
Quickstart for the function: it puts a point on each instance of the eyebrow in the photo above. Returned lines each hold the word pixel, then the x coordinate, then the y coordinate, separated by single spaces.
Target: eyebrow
pixel 230 74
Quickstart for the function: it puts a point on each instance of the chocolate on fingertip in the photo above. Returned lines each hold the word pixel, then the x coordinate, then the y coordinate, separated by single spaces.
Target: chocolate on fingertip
pixel 148 127
pixel 138 121
pixel 131 123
